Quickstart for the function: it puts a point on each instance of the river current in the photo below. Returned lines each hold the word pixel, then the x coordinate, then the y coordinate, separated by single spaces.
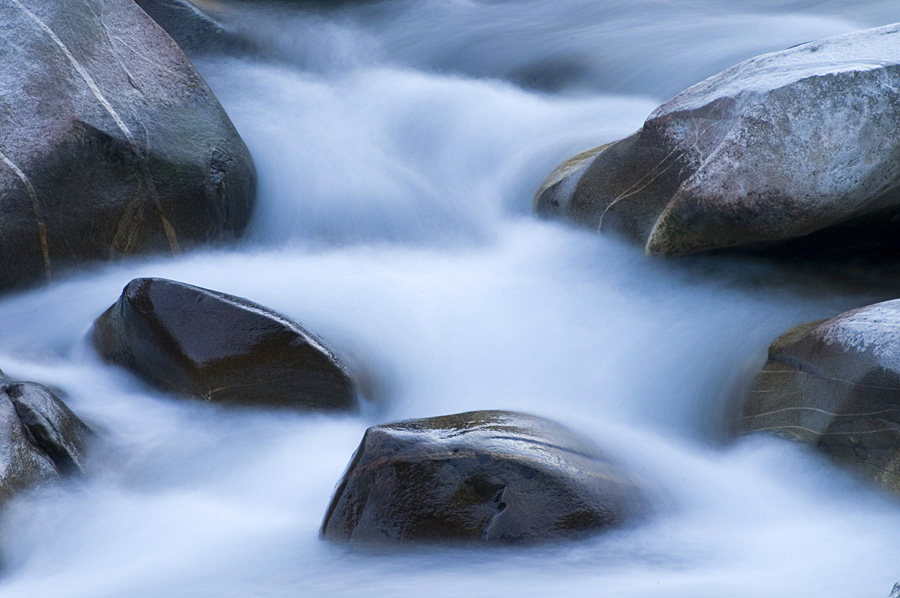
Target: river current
pixel 399 145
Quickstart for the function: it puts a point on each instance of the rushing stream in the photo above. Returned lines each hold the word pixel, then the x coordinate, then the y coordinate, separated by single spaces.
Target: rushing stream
pixel 399 145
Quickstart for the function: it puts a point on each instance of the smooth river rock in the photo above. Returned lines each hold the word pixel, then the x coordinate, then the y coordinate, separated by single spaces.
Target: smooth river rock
pixel 835 385
pixel 774 148
pixel 111 143
pixel 40 438
pixel 482 476
pixel 221 348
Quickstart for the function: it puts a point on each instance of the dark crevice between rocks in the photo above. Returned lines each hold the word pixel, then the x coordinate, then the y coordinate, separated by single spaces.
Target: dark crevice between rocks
pixel 870 239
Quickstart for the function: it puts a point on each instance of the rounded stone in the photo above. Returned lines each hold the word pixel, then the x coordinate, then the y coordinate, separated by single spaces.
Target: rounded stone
pixel 221 348
pixel 481 476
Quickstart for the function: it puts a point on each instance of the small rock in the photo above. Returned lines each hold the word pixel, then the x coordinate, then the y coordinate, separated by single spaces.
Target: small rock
pixel 40 438
pixel 482 476
pixel 220 348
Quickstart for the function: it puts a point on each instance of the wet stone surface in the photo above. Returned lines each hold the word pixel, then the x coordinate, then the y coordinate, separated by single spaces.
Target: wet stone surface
pixel 221 348
pixel 482 476
pixel 40 438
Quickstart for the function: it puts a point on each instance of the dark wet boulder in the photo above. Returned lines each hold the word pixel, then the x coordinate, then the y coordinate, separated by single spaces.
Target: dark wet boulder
pixel 196 31
pixel 111 143
pixel 835 385
pixel 482 476
pixel 40 438
pixel 220 348
pixel 772 149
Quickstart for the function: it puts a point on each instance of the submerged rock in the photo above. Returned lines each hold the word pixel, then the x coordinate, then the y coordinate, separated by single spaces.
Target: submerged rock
pixel 482 476
pixel 221 348
pixel 196 31
pixel 110 141
pixel 774 148
pixel 40 438
pixel 835 385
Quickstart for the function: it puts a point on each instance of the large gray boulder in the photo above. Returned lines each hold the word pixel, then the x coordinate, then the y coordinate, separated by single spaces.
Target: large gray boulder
pixel 220 348
pixel 482 476
pixel 774 148
pixel 110 141
pixel 835 385
pixel 40 438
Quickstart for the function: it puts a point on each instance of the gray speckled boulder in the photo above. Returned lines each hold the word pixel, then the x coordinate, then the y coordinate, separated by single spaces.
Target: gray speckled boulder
pixel 835 384
pixel 774 148
pixel 220 348
pixel 40 438
pixel 110 141
pixel 482 476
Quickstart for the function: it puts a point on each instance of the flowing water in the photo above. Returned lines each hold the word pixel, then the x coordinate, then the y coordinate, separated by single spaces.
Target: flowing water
pixel 399 145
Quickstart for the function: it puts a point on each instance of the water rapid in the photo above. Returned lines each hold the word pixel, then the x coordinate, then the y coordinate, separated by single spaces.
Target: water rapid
pixel 399 144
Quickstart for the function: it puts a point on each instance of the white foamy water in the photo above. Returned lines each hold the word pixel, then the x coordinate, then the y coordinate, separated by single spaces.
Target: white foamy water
pixel 399 146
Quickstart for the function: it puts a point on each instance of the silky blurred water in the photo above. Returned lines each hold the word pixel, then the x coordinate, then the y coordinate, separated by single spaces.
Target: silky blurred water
pixel 399 145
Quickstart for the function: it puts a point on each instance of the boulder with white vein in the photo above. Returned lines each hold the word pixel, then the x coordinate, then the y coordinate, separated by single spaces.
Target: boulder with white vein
pixel 111 143
pixel 774 148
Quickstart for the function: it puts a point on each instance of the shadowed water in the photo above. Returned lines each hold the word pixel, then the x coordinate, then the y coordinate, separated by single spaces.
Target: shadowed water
pixel 399 145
